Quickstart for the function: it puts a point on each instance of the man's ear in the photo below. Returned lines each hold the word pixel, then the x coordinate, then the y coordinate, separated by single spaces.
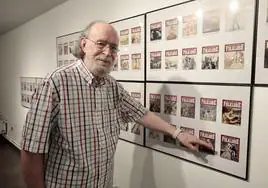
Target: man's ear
pixel 83 44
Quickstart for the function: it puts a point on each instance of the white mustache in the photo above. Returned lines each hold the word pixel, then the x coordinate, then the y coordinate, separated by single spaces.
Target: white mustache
pixel 107 59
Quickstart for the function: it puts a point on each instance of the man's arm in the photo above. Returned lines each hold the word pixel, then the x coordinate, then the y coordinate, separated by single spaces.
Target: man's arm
pixel 152 121
pixel 33 169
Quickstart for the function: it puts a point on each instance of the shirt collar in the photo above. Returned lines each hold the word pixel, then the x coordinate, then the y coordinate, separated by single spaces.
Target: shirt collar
pixel 88 76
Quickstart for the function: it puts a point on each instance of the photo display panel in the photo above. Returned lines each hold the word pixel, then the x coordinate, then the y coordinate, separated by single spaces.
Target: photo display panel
pixel 133 132
pixel 28 86
pixel 216 114
pixel 65 44
pixel 130 61
pixel 262 44
pixel 201 41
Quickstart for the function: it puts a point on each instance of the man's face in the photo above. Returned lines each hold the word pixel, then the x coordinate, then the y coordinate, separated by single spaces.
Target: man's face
pixel 100 49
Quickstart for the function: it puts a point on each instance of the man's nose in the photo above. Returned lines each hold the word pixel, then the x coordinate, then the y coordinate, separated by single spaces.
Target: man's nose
pixel 107 50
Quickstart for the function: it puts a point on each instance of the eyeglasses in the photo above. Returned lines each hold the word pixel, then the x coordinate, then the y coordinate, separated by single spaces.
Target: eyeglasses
pixel 102 45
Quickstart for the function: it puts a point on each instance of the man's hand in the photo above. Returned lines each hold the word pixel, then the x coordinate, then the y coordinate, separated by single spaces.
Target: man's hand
pixel 192 142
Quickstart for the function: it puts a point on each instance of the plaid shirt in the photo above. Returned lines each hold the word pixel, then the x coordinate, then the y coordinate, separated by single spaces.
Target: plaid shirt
pixel 75 122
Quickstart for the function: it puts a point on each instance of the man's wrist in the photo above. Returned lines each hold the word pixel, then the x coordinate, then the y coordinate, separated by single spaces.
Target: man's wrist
pixel 176 133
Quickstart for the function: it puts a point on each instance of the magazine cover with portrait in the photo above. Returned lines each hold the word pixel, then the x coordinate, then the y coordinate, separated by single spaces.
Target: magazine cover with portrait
pixel 231 112
pixel 155 60
pixel 188 107
pixel 136 35
pixel 136 61
pixel 124 39
pixel 155 102
pixel 124 62
pixel 208 137
pixel 210 57
pixel 189 25
pixel 189 58
pixel 230 148
pixel 171 59
pixel 156 31
pixel 171 29
pixel 211 21
pixel 170 105
pixel 169 139
pixel 208 109
pixel 234 56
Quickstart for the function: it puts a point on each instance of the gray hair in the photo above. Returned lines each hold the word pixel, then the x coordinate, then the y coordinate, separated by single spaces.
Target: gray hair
pixel 76 50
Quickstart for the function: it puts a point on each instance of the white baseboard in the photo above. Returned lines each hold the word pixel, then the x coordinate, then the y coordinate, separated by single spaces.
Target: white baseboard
pixel 12 141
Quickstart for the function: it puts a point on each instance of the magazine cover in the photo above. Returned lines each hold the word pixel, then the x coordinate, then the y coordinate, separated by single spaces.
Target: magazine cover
pixel 189 25
pixel 65 48
pixel 136 35
pixel 211 21
pixel 124 62
pixel 230 148
pixel 188 107
pixel 187 130
pixel 266 55
pixel 171 59
pixel 171 29
pixel 72 61
pixel 155 60
pixel 60 49
pixel 60 63
pixel 189 58
pixel 237 20
pixel 136 96
pixel 231 112
pixel 154 135
pixel 71 46
pixel 124 37
pixel 124 127
pixel 208 137
pixel 208 109
pixel 210 59
pixel 234 56
pixel 136 61
pixel 66 62
pixel 170 105
pixel 169 139
pixel 156 31
pixel 155 102
pixel 135 128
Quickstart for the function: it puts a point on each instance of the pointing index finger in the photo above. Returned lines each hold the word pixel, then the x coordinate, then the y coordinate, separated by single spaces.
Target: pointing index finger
pixel 205 144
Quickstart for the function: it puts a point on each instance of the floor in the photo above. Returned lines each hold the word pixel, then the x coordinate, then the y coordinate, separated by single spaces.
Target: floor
pixel 10 169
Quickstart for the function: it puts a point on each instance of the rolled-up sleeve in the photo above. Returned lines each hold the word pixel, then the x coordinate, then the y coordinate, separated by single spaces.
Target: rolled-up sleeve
pixel 40 119
pixel 131 109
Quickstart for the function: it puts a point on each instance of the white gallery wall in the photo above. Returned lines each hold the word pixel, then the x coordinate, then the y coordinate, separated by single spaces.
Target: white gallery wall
pixel 30 51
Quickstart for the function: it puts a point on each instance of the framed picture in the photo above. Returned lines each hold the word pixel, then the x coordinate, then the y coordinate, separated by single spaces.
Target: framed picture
pixel 210 41
pixel 216 114
pixel 28 87
pixel 65 44
pixel 262 45
pixel 133 132
pixel 130 62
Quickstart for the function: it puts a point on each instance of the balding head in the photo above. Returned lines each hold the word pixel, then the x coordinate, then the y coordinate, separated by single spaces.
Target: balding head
pixel 92 28
pixel 98 46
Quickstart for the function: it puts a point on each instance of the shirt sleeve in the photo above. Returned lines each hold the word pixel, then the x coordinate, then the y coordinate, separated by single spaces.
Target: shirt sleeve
pixel 40 119
pixel 131 109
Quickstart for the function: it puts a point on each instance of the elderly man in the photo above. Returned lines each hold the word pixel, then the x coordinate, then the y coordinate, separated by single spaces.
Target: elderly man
pixel 72 127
